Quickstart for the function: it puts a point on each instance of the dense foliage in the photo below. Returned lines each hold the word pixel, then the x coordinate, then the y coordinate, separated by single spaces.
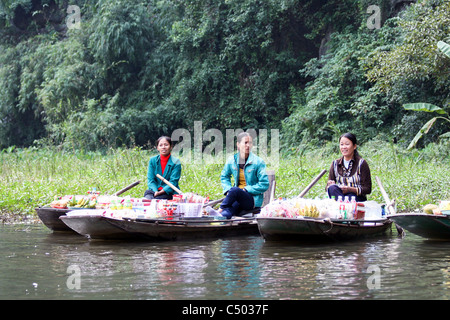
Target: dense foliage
pixel 137 69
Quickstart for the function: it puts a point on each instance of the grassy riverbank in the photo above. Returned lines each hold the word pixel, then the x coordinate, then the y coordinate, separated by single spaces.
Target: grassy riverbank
pixel 30 177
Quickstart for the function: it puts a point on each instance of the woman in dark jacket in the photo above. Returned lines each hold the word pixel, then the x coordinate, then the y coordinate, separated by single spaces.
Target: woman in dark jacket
pixel 350 174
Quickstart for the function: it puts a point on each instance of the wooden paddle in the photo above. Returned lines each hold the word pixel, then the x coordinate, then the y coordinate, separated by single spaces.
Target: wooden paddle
pixel 389 204
pixel 211 203
pixel 313 182
pixel 214 202
pixel 126 188
pixel 168 183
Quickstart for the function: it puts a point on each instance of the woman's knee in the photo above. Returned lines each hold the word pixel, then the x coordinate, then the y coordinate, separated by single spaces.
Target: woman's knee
pixel 334 190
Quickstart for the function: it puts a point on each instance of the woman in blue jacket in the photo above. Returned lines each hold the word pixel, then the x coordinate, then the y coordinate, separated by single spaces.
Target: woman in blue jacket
pixel 250 179
pixel 167 166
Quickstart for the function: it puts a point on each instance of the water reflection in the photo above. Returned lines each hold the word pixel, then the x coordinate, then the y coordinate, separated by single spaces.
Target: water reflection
pixel 237 268
pixel 34 264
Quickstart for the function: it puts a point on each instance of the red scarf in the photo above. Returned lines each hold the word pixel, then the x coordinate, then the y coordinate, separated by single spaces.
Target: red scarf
pixel 164 160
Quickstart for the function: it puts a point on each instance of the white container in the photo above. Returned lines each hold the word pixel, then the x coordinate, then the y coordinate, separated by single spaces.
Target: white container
pixel 373 210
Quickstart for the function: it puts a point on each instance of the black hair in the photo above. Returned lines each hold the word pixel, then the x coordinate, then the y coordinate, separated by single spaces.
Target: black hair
pixel 349 136
pixel 169 140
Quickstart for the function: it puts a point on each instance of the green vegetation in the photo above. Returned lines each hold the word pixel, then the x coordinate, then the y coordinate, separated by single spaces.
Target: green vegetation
pixel 136 70
pixel 30 178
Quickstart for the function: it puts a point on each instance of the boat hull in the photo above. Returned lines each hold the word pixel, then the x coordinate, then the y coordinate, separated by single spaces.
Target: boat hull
pixel 50 218
pixel 319 229
pixel 99 227
pixel 433 227
pixel 95 227
pixel 188 230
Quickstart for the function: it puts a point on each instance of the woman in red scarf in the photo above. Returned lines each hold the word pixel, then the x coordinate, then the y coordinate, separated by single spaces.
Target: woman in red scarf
pixel 167 166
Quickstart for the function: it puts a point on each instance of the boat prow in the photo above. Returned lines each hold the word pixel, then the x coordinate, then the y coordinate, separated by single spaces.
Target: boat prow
pixel 50 218
pixel 95 227
pixel 433 227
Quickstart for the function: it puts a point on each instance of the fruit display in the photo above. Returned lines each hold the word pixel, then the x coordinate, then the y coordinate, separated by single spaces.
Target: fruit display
pixel 443 208
pixel 75 201
pixel 188 204
pixel 85 202
pixel 59 203
pixel 294 208
pixel 430 208
pixel 320 208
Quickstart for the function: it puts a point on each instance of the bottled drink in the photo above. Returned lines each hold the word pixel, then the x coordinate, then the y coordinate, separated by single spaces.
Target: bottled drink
pixel 341 208
pixel 127 204
pixel 353 207
pixel 346 208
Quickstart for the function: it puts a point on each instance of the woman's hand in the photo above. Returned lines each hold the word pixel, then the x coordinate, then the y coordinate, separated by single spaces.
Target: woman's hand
pixel 158 193
pixel 346 189
pixel 330 182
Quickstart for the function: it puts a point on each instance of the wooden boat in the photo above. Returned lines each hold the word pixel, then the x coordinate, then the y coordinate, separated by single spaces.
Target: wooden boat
pixel 430 226
pixel 188 229
pixel 100 227
pixel 50 218
pixel 316 229
pixel 95 227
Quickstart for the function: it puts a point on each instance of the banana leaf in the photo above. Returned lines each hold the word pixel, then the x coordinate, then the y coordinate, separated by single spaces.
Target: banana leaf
pixel 426 127
pixel 444 47
pixel 421 106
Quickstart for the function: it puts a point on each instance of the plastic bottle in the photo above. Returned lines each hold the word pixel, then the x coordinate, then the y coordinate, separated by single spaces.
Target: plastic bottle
pixel 346 208
pixel 127 204
pixel 353 208
pixel 341 208
pixel 113 204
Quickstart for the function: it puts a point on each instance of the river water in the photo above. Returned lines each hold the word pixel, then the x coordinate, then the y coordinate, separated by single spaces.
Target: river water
pixel 38 264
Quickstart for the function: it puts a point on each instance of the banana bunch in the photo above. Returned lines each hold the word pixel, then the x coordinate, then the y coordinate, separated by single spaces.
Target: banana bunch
pixel 72 202
pixel 85 202
pixel 309 211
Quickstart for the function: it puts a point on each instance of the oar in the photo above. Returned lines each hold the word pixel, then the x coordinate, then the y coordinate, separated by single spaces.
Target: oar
pixel 168 183
pixel 126 188
pixel 214 202
pixel 211 203
pixel 389 204
pixel 272 193
pixel 313 182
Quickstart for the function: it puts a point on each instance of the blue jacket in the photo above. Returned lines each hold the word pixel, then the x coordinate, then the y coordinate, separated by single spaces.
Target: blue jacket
pixel 255 176
pixel 172 173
